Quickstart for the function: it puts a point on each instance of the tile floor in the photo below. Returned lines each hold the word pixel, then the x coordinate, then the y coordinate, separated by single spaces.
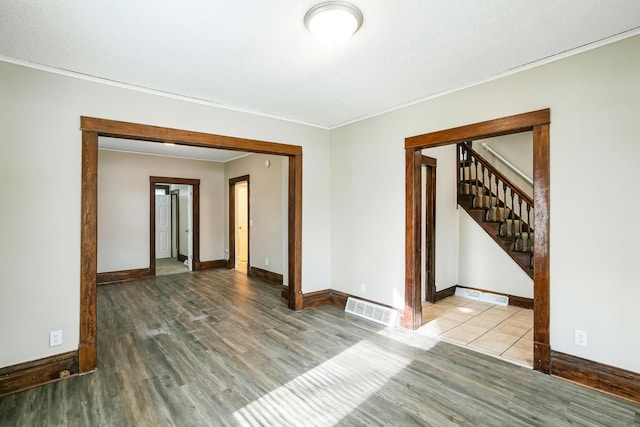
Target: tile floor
pixel 165 266
pixel 506 332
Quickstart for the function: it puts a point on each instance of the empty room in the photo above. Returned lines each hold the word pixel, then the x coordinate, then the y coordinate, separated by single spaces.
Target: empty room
pixel 415 219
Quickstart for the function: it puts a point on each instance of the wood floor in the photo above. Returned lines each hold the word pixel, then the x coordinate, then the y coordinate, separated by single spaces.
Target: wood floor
pixel 217 348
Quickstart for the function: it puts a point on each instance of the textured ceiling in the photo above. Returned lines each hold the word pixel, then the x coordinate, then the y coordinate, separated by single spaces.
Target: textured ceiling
pixel 256 55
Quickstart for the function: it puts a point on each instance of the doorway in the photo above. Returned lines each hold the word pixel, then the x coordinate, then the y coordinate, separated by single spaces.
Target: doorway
pixel 188 227
pixel 173 237
pixel 92 128
pixel 239 224
pixel 536 121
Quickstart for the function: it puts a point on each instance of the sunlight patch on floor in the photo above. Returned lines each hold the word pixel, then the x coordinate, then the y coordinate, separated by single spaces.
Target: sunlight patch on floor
pixel 328 392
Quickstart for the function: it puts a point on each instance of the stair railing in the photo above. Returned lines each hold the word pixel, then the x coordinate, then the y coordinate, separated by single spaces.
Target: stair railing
pixel 504 201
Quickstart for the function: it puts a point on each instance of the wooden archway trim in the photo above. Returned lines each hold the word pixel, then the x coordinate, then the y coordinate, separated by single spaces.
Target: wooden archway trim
pixel 535 121
pixel 92 128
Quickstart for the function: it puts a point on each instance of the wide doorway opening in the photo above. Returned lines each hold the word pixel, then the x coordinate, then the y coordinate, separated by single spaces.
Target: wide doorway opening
pixel 538 123
pixel 92 129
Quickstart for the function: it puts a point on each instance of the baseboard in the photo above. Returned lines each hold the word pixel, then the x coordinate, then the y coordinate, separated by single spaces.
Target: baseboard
pixel 24 376
pixel 212 265
pixel 608 379
pixel 339 299
pixel 181 258
pixel 316 299
pixel 267 276
pixel 514 300
pixel 122 276
pixel 444 293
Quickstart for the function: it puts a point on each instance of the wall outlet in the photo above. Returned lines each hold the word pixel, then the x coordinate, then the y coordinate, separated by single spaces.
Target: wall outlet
pixel 581 338
pixel 266 261
pixel 363 288
pixel 55 338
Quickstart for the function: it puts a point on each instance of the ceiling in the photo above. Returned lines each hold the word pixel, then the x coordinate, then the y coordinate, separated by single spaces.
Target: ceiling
pixel 257 56
pixel 169 150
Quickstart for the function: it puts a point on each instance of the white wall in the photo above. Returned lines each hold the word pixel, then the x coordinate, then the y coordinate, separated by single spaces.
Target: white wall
pixel 41 150
pixel 484 265
pixel 266 202
pixel 595 102
pixel 123 207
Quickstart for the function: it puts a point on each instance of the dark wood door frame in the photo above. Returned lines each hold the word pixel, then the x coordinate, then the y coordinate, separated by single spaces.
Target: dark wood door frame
pixel 176 194
pixel 195 219
pixel 537 122
pixel 92 128
pixel 429 165
pixel 232 220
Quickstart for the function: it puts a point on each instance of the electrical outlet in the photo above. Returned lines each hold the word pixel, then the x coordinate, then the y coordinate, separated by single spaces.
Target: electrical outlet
pixel 363 288
pixel 266 261
pixel 581 338
pixel 55 338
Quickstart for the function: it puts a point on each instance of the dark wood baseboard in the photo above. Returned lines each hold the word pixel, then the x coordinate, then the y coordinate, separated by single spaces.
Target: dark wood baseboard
pixel 39 372
pixel 316 299
pixel 339 299
pixel 609 379
pixel 330 296
pixel 212 265
pixel 181 258
pixel 514 300
pixel 521 302
pixel 122 276
pixel 444 293
pixel 267 276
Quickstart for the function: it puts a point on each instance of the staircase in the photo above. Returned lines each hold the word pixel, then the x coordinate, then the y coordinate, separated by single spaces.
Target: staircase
pixel 503 210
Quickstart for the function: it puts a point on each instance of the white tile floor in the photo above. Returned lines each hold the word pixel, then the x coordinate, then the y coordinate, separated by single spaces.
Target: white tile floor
pixel 506 332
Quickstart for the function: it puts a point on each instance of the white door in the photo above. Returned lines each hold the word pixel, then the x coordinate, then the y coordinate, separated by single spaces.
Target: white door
pixel 163 226
pixel 242 226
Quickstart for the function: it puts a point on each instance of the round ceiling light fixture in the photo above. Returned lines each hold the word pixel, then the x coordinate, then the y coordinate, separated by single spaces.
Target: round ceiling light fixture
pixel 333 21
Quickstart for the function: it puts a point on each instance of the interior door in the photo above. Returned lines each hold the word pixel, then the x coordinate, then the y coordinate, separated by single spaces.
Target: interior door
pixel 242 226
pixel 163 226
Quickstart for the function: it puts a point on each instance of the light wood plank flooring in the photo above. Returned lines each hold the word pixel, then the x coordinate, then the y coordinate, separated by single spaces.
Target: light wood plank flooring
pixel 218 348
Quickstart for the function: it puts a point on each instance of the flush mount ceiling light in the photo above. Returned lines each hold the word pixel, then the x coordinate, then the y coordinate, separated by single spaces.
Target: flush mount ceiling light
pixel 333 21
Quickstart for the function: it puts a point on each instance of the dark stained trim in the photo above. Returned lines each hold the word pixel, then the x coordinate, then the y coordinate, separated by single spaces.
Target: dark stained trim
pixel 536 121
pixel 212 265
pixel 317 299
pixel 609 379
pixel 88 253
pixel 122 276
pixel 521 302
pixel 266 276
pixel 39 372
pixel 332 296
pixel 429 165
pixel 491 128
pixel 445 293
pixel 92 128
pixel 117 129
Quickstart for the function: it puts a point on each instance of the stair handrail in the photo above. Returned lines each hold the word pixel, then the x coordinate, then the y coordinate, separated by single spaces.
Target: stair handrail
pixel 521 194
pixel 507 163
